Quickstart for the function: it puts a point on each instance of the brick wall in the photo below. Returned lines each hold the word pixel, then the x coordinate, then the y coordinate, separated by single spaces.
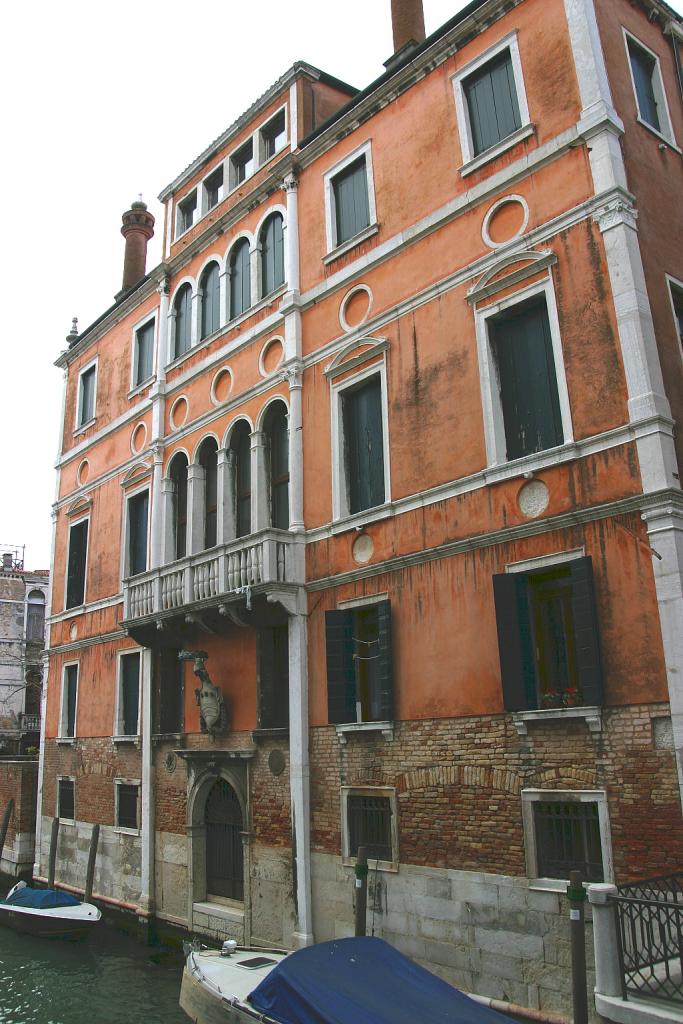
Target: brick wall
pixel 19 782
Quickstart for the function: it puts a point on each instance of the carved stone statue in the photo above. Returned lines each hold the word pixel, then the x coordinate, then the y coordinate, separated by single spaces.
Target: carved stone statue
pixel 213 714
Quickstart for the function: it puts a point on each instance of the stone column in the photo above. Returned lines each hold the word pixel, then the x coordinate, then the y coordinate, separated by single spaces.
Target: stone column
pixel 225 525
pixel 167 500
pixel 607 970
pixel 291 185
pixel 147 794
pixel 294 377
pixel 299 769
pixel 157 510
pixel 260 496
pixel 196 508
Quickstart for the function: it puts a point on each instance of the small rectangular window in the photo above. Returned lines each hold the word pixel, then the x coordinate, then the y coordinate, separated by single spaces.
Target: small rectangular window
pixel 213 188
pixel 127 806
pixel 648 85
pixel 369 825
pixel 274 135
pixel 523 352
pixel 359 664
pixel 138 511
pixel 242 164
pixel 65 800
pixel 75 577
pixel 568 839
pixel 492 103
pixel 186 212
pixel 86 396
pixel 144 353
pixel 129 694
pixel 69 697
pixel 351 205
pixel 363 445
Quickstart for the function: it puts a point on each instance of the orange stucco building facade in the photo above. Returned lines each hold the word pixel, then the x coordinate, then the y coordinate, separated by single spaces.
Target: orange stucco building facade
pixel 369 528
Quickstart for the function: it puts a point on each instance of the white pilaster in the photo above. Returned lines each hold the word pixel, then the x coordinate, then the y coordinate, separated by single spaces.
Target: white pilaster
pixel 196 504
pixel 157 511
pixel 291 186
pixel 147 795
pixel 299 770
pixel 260 496
pixel 225 525
pixel 167 502
pixel 294 377
pixel 607 970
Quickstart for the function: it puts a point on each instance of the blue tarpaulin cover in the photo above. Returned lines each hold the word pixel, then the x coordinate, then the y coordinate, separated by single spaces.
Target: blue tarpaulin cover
pixel 362 981
pixel 41 899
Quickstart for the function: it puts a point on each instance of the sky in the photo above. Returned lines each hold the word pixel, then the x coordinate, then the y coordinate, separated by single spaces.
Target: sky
pixel 102 102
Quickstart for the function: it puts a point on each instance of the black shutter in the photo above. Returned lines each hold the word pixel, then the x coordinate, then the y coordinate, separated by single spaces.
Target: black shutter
pixel 75 581
pixel 138 510
pixel 586 633
pixel 514 641
pixel 71 691
pixel 170 691
pixel 130 693
pixel 364 445
pixel 341 673
pixel 272 652
pixel 385 671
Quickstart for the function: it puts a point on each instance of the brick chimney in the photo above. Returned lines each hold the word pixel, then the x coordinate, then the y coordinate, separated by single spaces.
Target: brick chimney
pixel 137 229
pixel 408 22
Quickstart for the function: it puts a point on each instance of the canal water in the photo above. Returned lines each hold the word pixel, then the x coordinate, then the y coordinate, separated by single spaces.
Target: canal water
pixel 109 978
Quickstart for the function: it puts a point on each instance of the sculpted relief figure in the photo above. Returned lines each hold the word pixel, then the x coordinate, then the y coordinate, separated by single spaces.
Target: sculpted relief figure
pixel 213 714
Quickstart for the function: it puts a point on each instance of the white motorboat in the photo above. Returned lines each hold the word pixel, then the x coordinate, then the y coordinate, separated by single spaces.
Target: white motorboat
pixel 47 912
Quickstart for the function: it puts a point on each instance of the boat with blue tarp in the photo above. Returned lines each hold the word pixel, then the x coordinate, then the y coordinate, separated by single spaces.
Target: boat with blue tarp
pixel 345 981
pixel 47 912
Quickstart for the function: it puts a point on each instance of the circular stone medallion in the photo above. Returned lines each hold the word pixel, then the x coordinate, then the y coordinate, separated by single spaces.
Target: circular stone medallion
pixel 363 548
pixel 276 762
pixel 533 499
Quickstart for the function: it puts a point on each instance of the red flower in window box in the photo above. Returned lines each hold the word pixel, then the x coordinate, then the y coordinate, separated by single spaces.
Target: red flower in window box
pixel 572 697
pixel 552 699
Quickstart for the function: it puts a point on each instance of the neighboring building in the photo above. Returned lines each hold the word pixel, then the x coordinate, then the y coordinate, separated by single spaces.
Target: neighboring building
pixel 23 596
pixel 386 447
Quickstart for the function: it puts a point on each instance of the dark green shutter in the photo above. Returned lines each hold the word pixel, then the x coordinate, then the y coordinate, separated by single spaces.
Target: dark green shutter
pixel 643 67
pixel 341 673
pixel 272 255
pixel 586 632
pixel 210 287
pixel 170 691
pixel 75 579
pixel 528 385
pixel 130 693
pixel 364 445
pixel 492 103
pixel 272 651
pixel 138 510
pixel 183 320
pixel 385 674
pixel 240 283
pixel 241 444
pixel 144 353
pixel 278 438
pixel 352 210
pixel 71 691
pixel 514 641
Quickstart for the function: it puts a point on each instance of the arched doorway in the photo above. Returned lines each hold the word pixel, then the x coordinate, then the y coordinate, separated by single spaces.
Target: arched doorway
pixel 224 856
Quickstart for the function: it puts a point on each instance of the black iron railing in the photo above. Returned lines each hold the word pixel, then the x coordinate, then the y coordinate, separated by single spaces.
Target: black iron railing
pixel 650 936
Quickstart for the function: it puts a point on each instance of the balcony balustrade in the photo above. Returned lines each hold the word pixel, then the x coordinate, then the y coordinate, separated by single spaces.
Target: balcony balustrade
pixel 267 558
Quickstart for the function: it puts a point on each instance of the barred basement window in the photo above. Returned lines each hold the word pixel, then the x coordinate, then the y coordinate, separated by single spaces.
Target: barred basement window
pixel 369 819
pixel 359 664
pixel 548 637
pixel 127 806
pixel 568 839
pixel 65 800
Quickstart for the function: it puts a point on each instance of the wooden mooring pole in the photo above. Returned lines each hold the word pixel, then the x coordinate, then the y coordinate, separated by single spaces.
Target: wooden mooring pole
pixel 361 872
pixel 54 836
pixel 90 874
pixel 5 824
pixel 577 928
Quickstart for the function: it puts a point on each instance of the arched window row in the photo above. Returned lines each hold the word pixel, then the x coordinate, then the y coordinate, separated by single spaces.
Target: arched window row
pixel 228 288
pixel 231 491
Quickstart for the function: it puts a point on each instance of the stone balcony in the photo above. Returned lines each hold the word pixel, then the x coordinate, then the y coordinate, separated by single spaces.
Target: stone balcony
pixel 210 582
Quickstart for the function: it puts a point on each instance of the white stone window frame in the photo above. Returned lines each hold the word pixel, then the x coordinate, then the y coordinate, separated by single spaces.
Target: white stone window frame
pixel 125 523
pixel 261 155
pixel 77 607
pixel 121 829
pixel 658 89
pixel 470 161
pixel 62 737
pixel 203 205
pixel 376 791
pixel 673 284
pixel 118 735
pixel 78 425
pixel 340 490
pixel 196 216
pixel 489 378
pixel 591 796
pixel 135 388
pixel 72 780
pixel 335 249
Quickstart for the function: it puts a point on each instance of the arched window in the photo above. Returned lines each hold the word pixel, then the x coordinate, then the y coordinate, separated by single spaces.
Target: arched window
pixel 182 317
pixel 240 444
pixel 277 433
pixel 178 475
pixel 209 291
pixel 208 460
pixel 272 254
pixel 240 279
pixel 35 617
